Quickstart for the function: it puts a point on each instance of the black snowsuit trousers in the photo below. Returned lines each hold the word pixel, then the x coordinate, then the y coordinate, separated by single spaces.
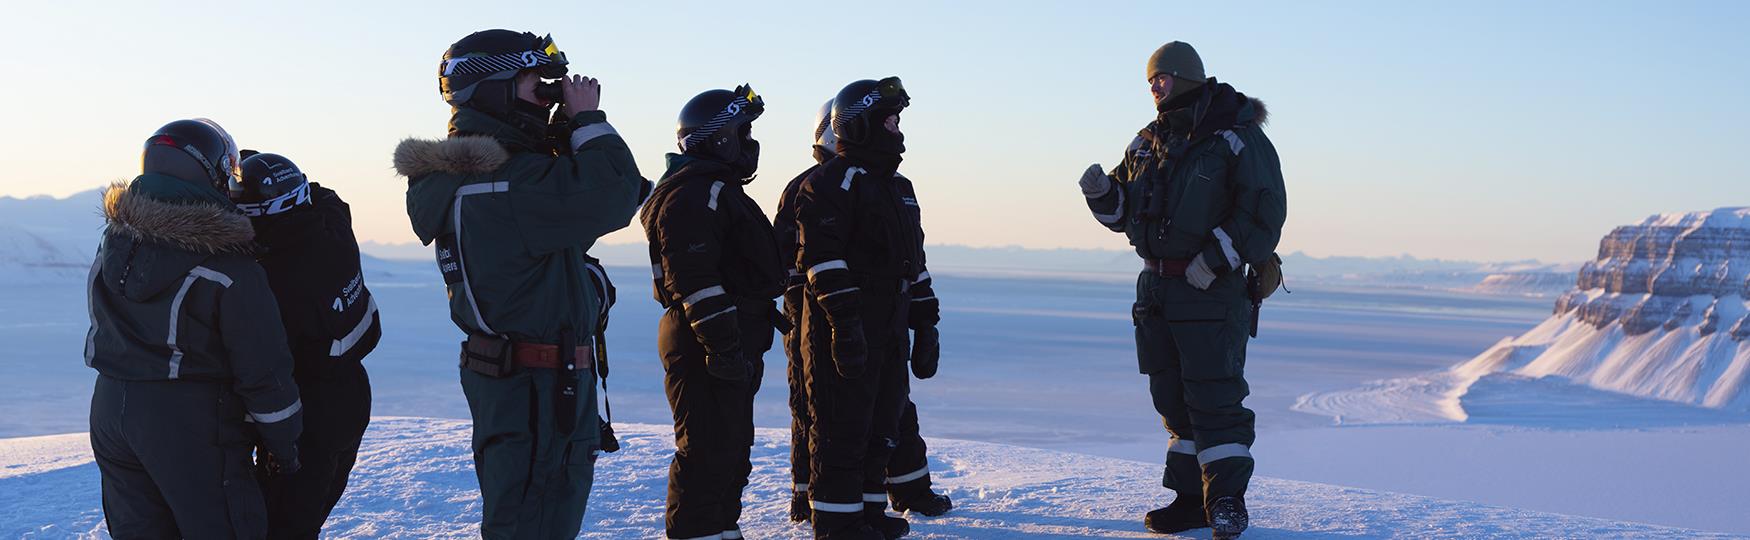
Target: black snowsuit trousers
pixel 337 408
pixel 855 421
pixel 1192 346
pixel 713 431
pixel 175 457
pixel 908 471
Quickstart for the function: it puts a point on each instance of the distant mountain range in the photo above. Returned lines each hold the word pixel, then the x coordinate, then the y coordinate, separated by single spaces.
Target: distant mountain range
pixel 45 236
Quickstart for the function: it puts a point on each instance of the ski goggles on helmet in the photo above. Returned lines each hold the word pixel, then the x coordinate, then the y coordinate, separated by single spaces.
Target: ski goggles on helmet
pixel 749 101
pixel 745 107
pixel 546 58
pixel 891 93
pixel 278 205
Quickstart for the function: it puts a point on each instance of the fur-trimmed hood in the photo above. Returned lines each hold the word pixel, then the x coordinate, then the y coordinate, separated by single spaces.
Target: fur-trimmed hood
pixel 463 155
pixel 1260 114
pixel 197 226
pixel 159 228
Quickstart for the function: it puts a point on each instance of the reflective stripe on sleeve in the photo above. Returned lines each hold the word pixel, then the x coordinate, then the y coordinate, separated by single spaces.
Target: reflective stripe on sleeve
pixel 702 294
pixel 276 416
pixel 586 133
pixel 839 292
pixel 835 264
pixel 874 497
pixel 730 309
pixel 344 344
pixel 1227 248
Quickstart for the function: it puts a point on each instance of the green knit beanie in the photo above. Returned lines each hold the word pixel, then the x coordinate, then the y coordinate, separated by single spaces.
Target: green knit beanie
pixel 1179 60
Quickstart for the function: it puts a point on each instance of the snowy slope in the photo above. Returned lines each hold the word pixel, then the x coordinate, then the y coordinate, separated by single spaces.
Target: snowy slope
pixel 415 480
pixel 1661 314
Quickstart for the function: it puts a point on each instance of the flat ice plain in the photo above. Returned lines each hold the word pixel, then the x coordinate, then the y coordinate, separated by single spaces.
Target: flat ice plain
pixel 1042 362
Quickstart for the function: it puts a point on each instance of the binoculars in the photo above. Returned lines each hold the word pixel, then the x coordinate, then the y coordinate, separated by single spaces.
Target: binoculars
pixel 550 91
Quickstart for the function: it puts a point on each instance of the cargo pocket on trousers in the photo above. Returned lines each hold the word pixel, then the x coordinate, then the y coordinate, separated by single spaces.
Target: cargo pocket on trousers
pixel 1201 334
pixel 243 502
pixel 1153 353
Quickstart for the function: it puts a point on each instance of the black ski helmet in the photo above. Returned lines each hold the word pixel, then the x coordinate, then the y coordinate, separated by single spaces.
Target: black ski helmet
pixel 270 185
pixel 196 150
pixel 478 69
pixel 857 107
pixel 716 125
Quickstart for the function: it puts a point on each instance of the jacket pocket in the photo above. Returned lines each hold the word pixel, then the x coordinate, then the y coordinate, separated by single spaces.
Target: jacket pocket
pixel 244 505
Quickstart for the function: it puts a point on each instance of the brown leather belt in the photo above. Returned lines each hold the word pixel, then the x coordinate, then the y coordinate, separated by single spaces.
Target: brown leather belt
pixel 495 357
pixel 1167 267
pixel 535 355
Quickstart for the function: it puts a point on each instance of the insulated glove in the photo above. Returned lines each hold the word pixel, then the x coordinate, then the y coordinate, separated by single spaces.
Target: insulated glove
pixel 717 325
pixel 729 366
pixel 278 462
pixel 850 353
pixel 1094 182
pixel 837 292
pixel 926 351
pixel 1199 274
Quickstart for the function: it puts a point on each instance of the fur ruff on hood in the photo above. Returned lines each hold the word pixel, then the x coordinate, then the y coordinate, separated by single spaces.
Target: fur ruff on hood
pixel 471 154
pixel 199 227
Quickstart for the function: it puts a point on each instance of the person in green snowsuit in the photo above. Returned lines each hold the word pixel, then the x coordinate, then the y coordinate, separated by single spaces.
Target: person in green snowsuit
pixel 1200 195
pixel 512 201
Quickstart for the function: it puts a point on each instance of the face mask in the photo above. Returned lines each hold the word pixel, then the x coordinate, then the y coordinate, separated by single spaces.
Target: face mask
pixel 749 160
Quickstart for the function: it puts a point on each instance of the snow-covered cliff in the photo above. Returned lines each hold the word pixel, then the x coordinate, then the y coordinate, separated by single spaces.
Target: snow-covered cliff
pixel 1660 313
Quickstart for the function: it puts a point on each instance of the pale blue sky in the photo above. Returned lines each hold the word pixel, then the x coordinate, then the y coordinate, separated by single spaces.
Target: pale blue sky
pixel 1480 130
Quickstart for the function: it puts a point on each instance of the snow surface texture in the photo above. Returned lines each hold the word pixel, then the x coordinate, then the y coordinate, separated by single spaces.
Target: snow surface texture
pixel 414 479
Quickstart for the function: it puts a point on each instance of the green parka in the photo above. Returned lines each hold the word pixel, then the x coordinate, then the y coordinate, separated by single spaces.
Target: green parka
pixel 1201 180
pixel 512 222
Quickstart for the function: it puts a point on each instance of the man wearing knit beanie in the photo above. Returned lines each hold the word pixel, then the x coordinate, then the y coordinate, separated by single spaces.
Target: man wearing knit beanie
pixel 1199 192
pixel 1179 62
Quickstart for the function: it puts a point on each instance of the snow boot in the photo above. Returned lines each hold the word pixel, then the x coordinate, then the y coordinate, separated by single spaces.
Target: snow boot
pixel 800 511
pixel 875 514
pixel 860 531
pixel 1183 514
pixel 925 502
pixel 1227 516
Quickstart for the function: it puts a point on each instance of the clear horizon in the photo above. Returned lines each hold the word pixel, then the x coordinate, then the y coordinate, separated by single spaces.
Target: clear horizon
pixel 1489 131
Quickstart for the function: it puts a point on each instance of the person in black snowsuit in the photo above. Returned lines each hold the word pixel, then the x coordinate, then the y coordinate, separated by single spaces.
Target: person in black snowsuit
pixel 193 368
pixel 861 251
pixel 908 473
pixel 307 247
pixel 716 271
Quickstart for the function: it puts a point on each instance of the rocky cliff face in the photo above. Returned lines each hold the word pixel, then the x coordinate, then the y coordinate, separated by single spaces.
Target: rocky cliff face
pixel 1661 312
pixel 1666 272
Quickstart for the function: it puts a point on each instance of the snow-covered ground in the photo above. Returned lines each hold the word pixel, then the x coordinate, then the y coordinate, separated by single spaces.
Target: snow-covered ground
pixel 1055 369
pixel 1353 386
pixel 414 480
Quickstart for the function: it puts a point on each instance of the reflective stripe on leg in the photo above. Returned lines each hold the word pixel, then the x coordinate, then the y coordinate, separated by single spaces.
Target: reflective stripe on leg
pixel 907 477
pixel 846 508
pixel 1223 451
